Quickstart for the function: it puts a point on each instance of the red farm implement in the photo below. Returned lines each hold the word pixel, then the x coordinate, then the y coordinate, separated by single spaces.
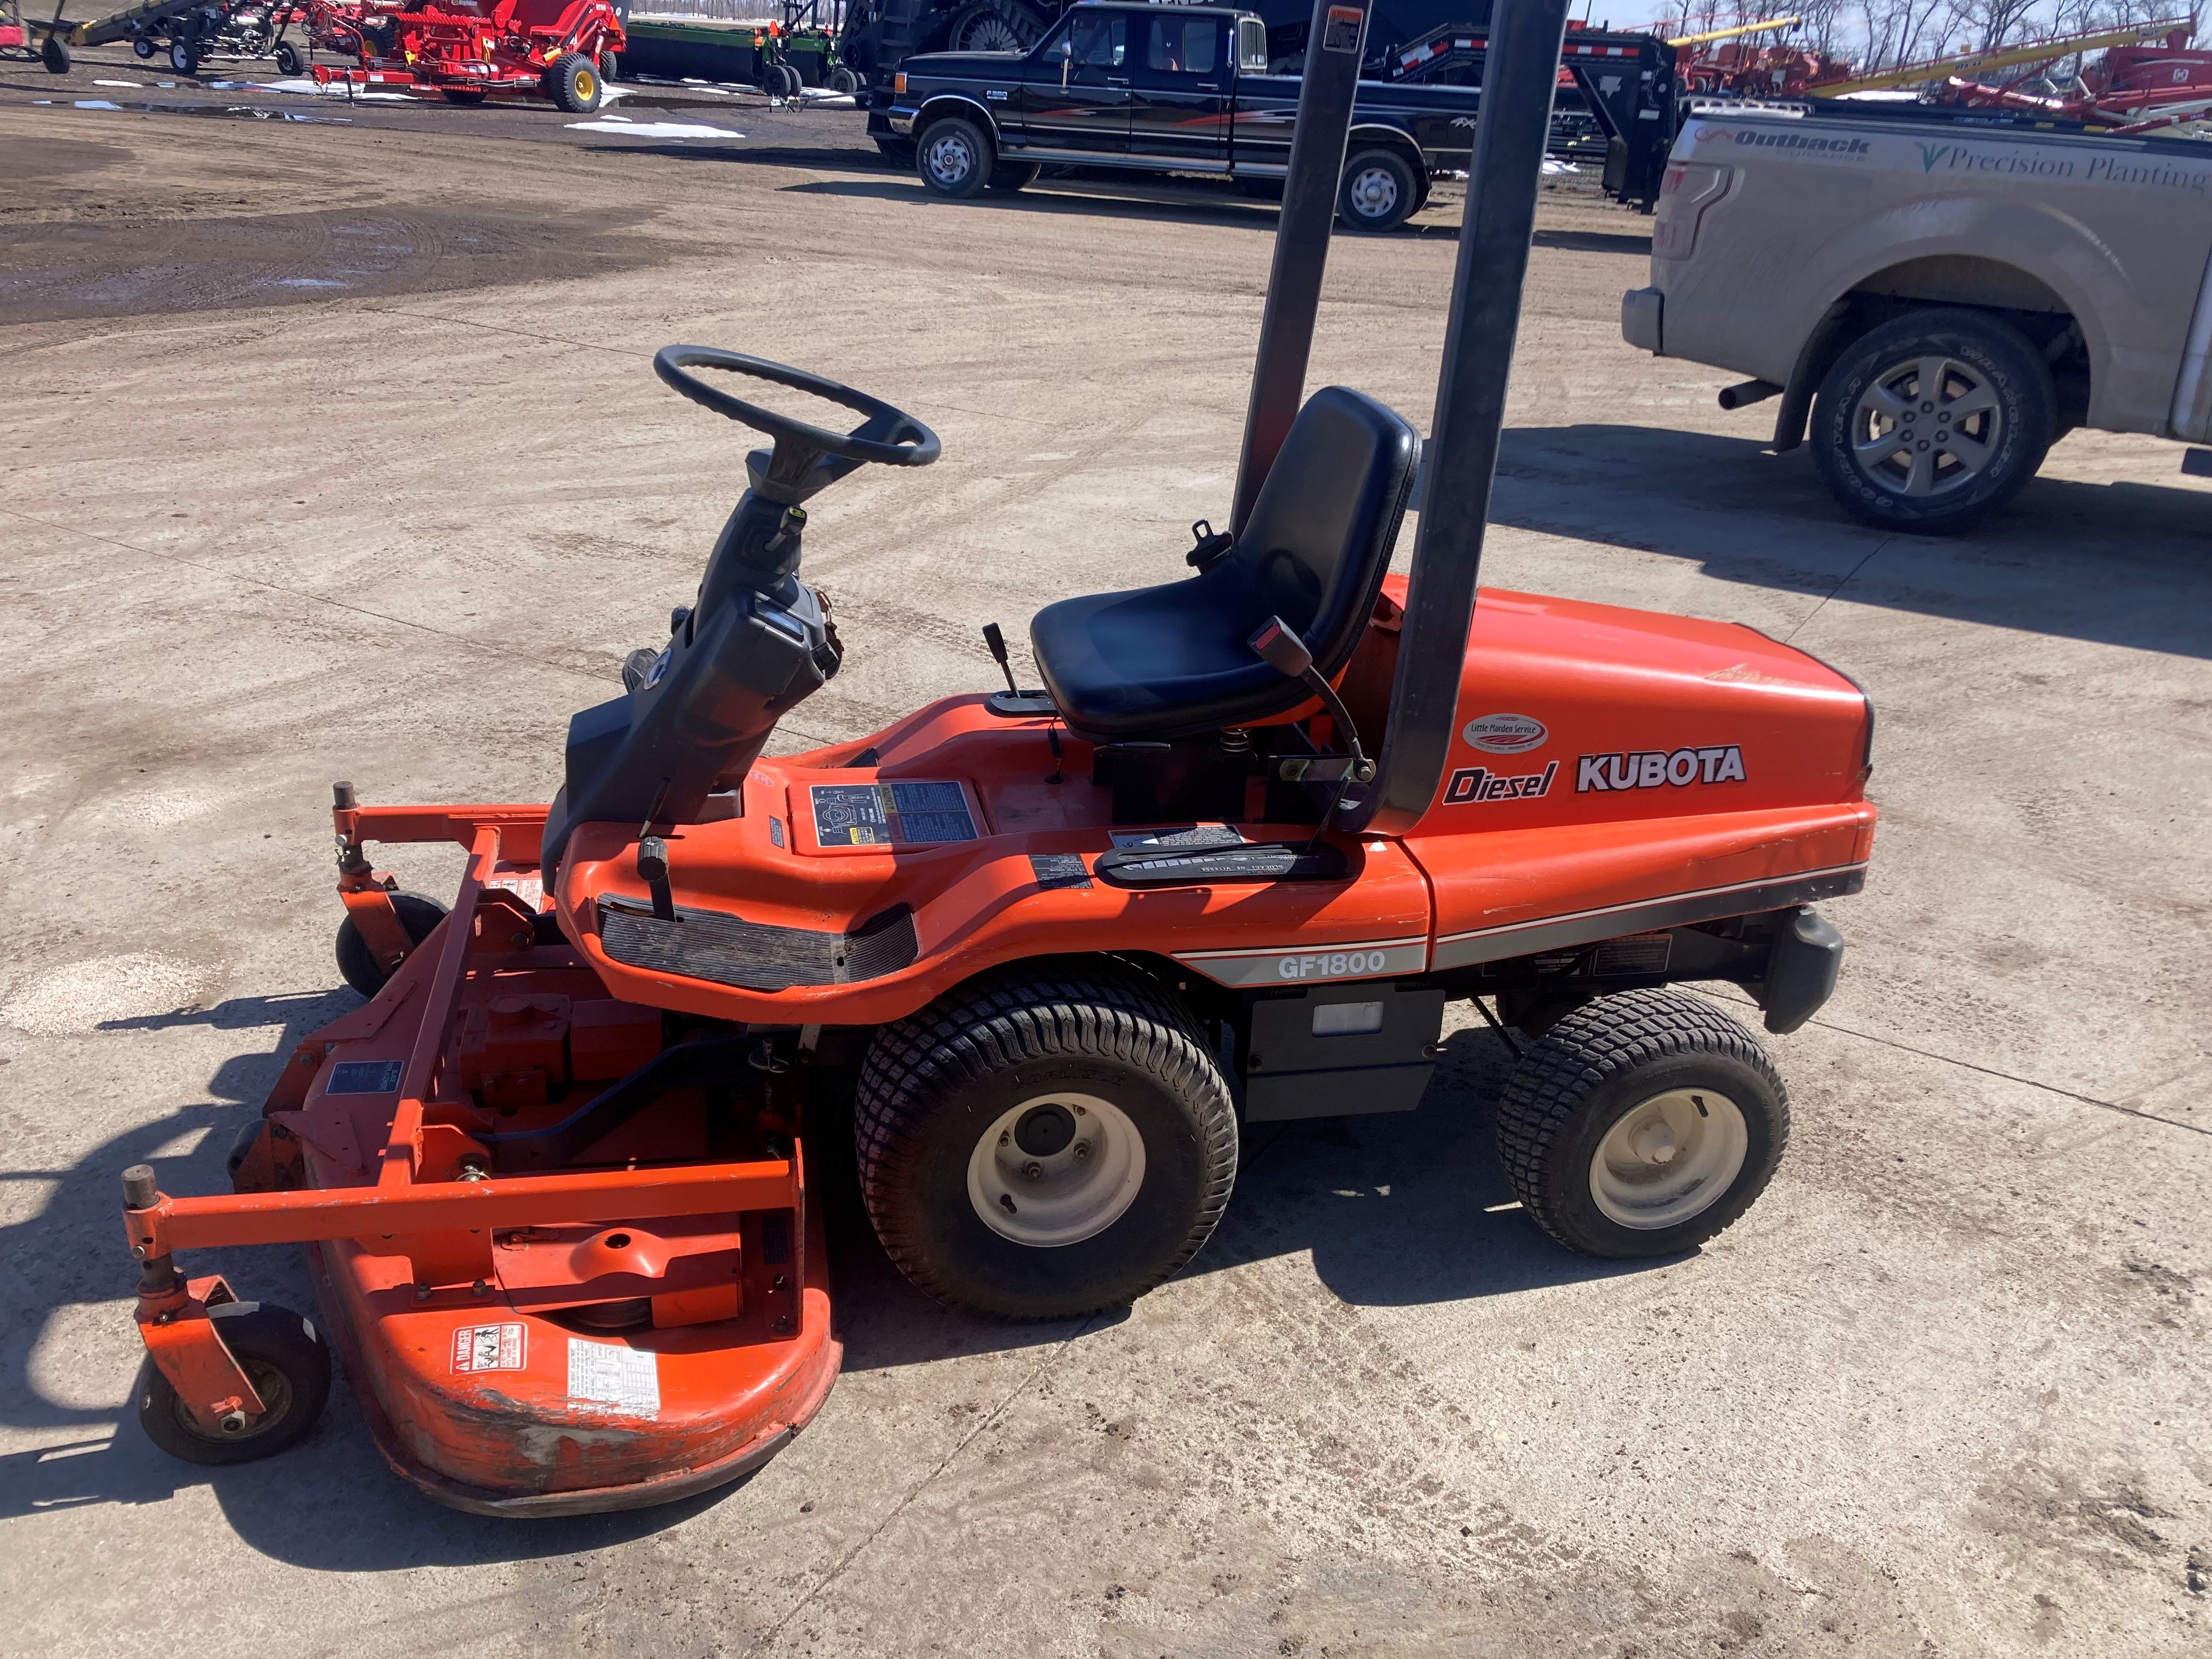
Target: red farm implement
pixel 470 50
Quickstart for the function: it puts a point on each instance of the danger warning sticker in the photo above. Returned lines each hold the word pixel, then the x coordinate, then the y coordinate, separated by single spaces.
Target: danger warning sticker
pixel 609 1375
pixel 490 1348
pixel 1342 31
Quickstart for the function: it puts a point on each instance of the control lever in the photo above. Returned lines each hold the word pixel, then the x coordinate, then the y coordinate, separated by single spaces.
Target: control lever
pixel 1280 647
pixel 997 642
pixel 652 871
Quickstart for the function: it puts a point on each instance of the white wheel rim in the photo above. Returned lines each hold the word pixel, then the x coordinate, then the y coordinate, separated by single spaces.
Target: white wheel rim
pixel 1669 1158
pixel 1374 192
pixel 950 160
pixel 1045 1198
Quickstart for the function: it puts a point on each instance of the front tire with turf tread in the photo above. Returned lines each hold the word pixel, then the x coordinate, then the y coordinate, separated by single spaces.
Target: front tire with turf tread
pixel 934 1083
pixel 1601 1061
pixel 289 1366
pixel 573 81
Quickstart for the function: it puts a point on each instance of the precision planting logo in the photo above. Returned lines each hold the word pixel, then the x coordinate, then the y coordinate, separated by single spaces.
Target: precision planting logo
pixel 1648 768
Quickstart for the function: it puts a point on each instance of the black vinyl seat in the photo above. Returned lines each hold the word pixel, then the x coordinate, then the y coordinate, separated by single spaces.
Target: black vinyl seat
pixel 1172 661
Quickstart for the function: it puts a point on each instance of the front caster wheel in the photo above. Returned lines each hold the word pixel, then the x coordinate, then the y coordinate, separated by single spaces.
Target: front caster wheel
pixel 1045 1144
pixel 1642 1124
pixel 289 1368
pixel 418 914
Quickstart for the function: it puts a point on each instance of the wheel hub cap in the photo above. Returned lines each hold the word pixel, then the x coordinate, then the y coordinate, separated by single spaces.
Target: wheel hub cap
pixel 1056 1169
pixel 1374 192
pixel 1669 1158
pixel 949 160
pixel 1926 427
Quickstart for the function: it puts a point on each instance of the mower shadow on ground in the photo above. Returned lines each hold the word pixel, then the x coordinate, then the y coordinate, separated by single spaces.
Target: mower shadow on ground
pixel 1746 514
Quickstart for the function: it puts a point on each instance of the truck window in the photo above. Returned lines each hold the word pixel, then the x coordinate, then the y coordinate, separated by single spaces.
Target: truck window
pixel 1183 45
pixel 1099 42
pixel 1251 45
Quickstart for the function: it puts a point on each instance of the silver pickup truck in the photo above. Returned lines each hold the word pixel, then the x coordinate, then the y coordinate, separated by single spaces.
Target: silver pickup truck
pixel 1945 296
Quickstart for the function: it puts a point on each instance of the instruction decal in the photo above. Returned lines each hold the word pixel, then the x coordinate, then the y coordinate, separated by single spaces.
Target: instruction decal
pixel 884 814
pixel 490 1348
pixel 1058 870
pixel 1648 768
pixel 365 1077
pixel 609 1374
pixel 1342 31
pixel 1190 835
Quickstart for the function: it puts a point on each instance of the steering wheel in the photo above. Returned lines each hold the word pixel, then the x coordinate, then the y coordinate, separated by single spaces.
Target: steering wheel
pixel 806 458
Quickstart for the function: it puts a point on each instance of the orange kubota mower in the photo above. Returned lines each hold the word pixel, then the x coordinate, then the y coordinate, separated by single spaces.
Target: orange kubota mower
pixel 1053 948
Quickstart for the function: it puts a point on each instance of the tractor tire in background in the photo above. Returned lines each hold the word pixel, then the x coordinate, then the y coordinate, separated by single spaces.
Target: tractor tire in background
pixel 608 65
pixel 1642 1124
pixel 954 158
pixel 792 83
pixel 1379 192
pixel 842 80
pixel 284 1358
pixel 290 60
pixel 996 26
pixel 572 80
pixel 418 914
pixel 1044 1143
pixel 1008 177
pixel 1933 419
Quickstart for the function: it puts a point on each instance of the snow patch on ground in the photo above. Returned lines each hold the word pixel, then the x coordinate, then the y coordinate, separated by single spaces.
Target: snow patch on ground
pixel 630 129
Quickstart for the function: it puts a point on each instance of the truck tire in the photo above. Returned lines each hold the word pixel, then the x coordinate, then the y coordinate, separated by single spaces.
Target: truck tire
pixel 899 152
pixel 954 158
pixel 1379 192
pixel 1045 1142
pixel 1642 1124
pixel 1008 177
pixel 1931 421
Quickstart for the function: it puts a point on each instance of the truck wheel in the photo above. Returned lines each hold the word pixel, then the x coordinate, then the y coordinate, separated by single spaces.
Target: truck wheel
pixel 357 964
pixel 1642 1124
pixel 899 152
pixel 1930 421
pixel 1378 192
pixel 954 158
pixel 1044 1143
pixel 1008 177
pixel 574 82
pixel 290 1367
pixel 288 60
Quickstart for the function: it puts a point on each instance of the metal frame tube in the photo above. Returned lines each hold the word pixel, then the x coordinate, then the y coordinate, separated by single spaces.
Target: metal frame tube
pixel 1461 458
pixel 1334 44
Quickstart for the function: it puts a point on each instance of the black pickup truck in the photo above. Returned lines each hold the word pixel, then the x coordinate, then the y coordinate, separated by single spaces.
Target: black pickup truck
pixel 1166 90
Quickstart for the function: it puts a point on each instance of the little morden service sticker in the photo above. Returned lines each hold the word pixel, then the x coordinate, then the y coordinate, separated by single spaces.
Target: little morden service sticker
pixel 1505 734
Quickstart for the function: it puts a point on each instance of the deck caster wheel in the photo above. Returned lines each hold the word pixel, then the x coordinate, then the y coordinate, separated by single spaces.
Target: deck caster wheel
pixel 417 914
pixel 290 1367
pixel 1642 1124
pixel 289 59
pixel 1045 1144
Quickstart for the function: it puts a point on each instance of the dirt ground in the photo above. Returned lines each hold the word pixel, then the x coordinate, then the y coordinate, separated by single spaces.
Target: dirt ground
pixel 332 450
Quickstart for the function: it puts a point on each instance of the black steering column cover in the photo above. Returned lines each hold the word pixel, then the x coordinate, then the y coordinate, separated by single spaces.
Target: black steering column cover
pixel 1173 661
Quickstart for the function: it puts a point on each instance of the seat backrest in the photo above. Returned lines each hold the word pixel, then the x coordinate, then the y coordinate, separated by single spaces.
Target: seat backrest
pixel 1317 544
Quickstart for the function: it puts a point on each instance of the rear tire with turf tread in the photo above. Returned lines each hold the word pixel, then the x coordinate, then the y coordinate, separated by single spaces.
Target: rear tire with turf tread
pixel 935 1084
pixel 289 1366
pixel 1604 1060
pixel 418 913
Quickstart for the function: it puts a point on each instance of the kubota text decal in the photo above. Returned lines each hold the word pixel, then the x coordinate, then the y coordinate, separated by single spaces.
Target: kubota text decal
pixel 1648 768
